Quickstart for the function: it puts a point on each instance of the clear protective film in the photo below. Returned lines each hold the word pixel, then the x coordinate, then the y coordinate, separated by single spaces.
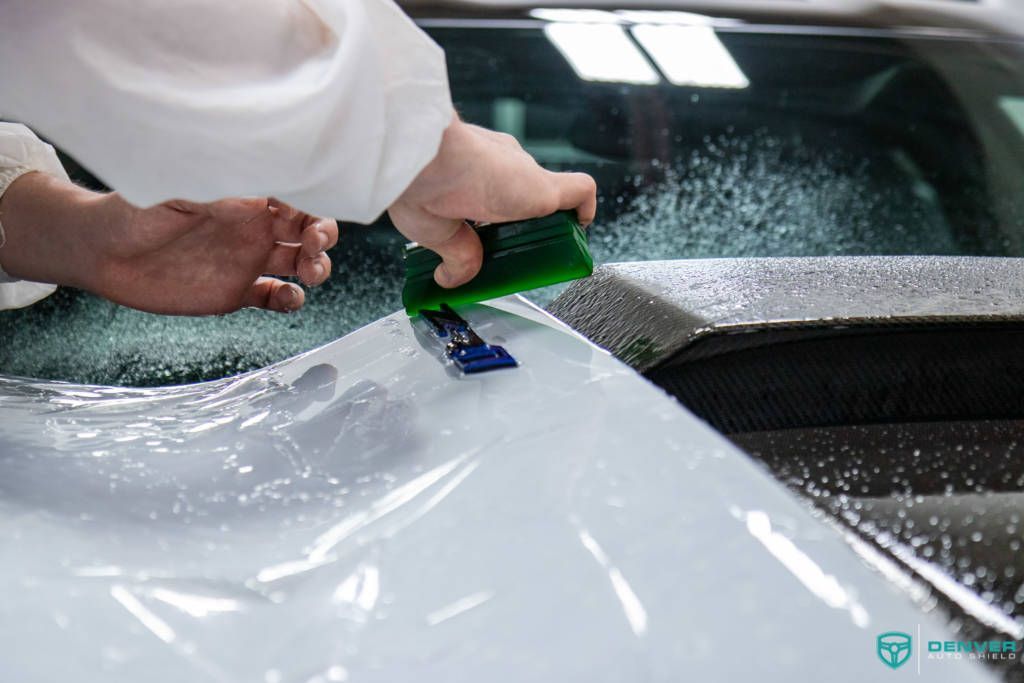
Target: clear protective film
pixel 363 512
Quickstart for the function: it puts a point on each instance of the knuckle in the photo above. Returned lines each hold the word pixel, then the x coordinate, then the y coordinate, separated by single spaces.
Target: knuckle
pixel 549 203
pixel 507 138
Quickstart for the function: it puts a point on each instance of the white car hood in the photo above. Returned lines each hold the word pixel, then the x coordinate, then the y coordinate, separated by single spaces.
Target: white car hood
pixel 363 513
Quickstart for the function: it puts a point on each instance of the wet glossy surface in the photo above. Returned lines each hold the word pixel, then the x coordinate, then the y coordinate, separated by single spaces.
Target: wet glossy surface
pixel 364 513
pixel 646 312
pixel 945 498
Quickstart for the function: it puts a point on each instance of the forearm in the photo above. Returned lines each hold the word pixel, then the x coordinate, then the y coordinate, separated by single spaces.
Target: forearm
pixel 47 222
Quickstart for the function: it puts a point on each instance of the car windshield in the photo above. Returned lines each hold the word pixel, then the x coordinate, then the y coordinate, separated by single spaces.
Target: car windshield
pixel 752 141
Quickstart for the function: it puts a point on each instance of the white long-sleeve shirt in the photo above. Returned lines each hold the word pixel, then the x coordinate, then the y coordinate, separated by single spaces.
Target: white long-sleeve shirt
pixel 333 106
pixel 20 153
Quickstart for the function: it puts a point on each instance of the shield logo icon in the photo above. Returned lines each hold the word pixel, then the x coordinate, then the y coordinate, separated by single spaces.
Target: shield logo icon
pixel 894 648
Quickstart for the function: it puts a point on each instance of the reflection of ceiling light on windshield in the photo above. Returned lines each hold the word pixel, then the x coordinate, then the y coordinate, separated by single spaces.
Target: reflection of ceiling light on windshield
pixel 1014 108
pixel 576 16
pixel 690 55
pixel 601 52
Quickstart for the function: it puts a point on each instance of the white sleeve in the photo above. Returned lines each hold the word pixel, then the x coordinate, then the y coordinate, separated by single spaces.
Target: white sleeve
pixel 331 105
pixel 22 152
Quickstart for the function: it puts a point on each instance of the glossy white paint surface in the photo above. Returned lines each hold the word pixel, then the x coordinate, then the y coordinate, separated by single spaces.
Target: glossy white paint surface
pixel 363 513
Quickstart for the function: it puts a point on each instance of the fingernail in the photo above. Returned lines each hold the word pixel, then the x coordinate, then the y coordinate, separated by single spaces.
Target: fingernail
pixel 318 268
pixel 288 297
pixel 323 241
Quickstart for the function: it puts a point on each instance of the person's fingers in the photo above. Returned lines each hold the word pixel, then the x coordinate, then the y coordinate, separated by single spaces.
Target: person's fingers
pixel 319 235
pixel 577 191
pixel 286 211
pixel 329 227
pixel 452 239
pixel 289 222
pixel 274 295
pixel 461 254
pixel 314 270
pixel 283 260
pixel 286 229
pixel 289 259
pixel 291 225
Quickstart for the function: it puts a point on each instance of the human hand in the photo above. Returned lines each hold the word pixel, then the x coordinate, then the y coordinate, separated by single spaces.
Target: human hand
pixel 178 258
pixel 185 258
pixel 483 176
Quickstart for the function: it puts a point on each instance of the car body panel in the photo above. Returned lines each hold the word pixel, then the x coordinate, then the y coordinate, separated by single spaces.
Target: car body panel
pixel 362 512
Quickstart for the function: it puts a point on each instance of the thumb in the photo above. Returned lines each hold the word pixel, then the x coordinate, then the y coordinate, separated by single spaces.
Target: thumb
pixel 461 254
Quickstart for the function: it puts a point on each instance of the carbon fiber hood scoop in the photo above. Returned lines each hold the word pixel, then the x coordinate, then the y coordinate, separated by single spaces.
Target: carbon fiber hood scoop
pixel 645 313
pixel 755 344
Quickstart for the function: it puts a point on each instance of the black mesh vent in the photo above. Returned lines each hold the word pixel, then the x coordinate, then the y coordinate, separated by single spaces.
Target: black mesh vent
pixel 813 378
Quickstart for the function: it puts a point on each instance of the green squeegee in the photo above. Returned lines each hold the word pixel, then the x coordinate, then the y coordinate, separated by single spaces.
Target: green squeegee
pixel 518 256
